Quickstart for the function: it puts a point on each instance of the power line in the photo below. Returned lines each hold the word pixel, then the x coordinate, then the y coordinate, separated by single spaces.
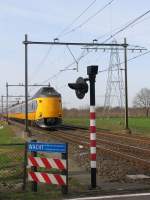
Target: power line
pixel 89 18
pixel 79 26
pixel 83 54
pixel 60 34
pixel 130 59
pixel 128 25
pixel 116 33
pixel 67 67
pixel 78 17
pixel 125 27
pixel 41 62
pixel 133 58
pixel 147 52
pixel 110 32
pixel 141 21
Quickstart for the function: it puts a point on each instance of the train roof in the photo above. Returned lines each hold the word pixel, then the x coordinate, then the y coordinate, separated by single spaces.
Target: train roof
pixel 46 92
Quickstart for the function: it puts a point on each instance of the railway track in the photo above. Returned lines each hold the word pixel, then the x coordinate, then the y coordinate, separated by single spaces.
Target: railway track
pixel 110 144
pixel 132 139
pixel 110 148
pixel 124 138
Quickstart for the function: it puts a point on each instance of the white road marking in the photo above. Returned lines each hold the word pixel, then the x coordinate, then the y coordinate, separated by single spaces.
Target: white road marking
pixel 112 196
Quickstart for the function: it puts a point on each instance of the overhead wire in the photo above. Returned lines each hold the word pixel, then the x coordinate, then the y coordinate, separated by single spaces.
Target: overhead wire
pixel 141 21
pixel 41 62
pixel 147 52
pixel 76 19
pixel 128 25
pixel 110 32
pixel 116 33
pixel 125 27
pixel 67 67
pixel 130 59
pixel 65 29
pixel 79 26
pixel 89 18
pixel 60 34
pixel 59 72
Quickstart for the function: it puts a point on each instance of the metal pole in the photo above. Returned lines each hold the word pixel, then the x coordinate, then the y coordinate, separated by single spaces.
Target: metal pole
pixel 2 103
pixel 65 172
pixel 72 43
pixel 92 71
pixel 126 84
pixel 26 83
pixel 25 167
pixel 7 100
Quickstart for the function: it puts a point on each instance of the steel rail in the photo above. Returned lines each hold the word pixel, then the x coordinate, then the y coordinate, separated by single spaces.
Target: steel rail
pixel 140 139
pixel 124 146
pixel 73 139
pixel 67 136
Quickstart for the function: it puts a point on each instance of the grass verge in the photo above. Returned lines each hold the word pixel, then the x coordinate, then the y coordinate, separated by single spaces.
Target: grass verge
pixel 137 125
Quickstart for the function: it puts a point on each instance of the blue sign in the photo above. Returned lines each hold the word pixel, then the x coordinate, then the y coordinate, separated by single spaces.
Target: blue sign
pixel 47 147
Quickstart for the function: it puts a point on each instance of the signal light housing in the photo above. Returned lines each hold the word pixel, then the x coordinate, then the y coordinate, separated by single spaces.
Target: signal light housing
pixel 80 87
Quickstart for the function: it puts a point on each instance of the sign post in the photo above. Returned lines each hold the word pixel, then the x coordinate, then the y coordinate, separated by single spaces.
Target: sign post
pixel 35 162
pixel 65 171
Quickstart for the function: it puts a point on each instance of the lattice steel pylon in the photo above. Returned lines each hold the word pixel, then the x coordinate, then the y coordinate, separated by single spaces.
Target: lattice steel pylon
pixel 115 95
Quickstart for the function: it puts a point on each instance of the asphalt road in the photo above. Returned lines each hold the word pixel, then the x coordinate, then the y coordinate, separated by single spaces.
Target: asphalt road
pixel 141 196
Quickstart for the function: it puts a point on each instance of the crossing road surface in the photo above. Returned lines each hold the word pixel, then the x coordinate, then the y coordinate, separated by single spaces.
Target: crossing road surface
pixel 141 196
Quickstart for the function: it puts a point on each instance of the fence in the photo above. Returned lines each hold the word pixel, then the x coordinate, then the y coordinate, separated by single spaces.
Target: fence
pixel 11 166
pixel 17 165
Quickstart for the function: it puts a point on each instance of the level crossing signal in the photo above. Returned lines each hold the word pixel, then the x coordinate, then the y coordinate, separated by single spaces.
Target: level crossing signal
pixel 80 87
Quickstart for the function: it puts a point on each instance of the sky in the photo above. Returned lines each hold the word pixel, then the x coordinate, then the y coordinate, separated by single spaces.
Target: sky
pixel 46 20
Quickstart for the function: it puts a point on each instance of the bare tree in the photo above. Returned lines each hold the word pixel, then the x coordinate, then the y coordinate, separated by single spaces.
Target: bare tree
pixel 142 100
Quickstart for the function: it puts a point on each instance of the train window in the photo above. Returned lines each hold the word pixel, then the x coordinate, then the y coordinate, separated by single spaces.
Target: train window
pixel 17 109
pixel 23 108
pixel 32 106
pixel 46 91
pixel 49 91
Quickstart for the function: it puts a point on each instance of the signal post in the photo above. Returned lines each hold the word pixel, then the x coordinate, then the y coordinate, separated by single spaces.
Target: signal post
pixel 81 88
pixel 92 71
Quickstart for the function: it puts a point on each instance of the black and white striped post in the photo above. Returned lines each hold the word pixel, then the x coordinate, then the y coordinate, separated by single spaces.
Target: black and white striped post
pixel 92 71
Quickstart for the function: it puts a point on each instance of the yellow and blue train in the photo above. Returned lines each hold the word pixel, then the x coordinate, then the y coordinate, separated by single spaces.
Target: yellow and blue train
pixel 44 109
